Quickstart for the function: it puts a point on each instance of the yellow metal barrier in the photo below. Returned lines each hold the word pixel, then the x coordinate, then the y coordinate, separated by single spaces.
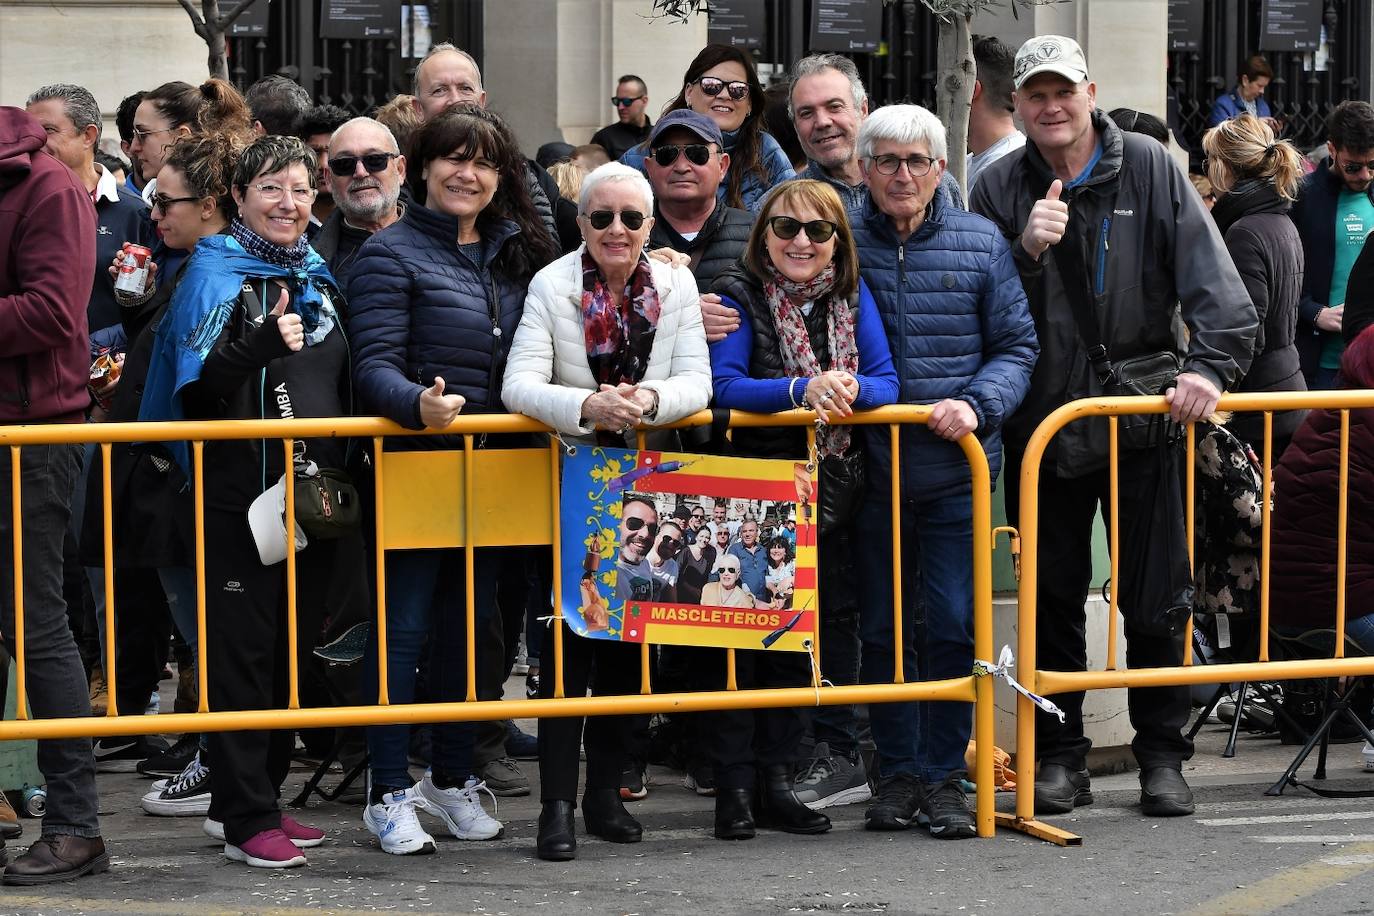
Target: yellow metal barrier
pixel 431 499
pixel 1047 683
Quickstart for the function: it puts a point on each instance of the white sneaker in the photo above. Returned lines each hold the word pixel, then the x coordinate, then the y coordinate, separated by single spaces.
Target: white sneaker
pixel 393 822
pixel 461 809
pixel 1367 757
pixel 186 795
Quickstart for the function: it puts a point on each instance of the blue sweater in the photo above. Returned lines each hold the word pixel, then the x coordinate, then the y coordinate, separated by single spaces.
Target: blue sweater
pixel 736 390
pixel 1230 106
pixel 753 191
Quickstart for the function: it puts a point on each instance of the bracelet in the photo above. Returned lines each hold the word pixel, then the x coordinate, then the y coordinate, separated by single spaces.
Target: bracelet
pixel 792 392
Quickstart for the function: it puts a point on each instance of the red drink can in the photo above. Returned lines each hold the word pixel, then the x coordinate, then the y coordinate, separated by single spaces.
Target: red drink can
pixel 133 270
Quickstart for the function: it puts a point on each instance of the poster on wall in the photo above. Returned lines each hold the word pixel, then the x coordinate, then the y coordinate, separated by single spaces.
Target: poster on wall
pixel 692 550
pixel 1290 25
pixel 846 25
pixel 359 18
pixel 737 23
pixel 1185 25
pixel 252 22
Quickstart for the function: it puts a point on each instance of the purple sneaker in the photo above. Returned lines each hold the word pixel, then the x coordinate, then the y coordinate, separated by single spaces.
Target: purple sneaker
pixel 299 834
pixel 268 849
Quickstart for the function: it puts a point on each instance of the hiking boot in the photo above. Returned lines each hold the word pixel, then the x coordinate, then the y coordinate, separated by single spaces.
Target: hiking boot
pixel 393 822
pixel 185 795
pixel 945 812
pixel 504 778
pixel 832 779
pixel 188 690
pixel 1058 789
pixel 899 797
pixel 268 849
pixel 100 692
pixel 173 760
pixel 460 809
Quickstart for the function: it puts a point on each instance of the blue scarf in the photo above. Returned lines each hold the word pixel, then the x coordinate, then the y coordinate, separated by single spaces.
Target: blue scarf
pixel 200 307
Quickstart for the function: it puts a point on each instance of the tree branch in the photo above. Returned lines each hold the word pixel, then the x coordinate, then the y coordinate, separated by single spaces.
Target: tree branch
pixel 228 18
pixel 197 23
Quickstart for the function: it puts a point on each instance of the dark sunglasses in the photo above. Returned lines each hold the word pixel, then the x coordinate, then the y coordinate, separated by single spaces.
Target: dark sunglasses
pixel 602 219
pixel 625 101
pixel 697 153
pixel 700 515
pixel 343 166
pixel 818 230
pixel 634 523
pixel 162 202
pixel 712 87
pixel 1355 168
pixel 668 542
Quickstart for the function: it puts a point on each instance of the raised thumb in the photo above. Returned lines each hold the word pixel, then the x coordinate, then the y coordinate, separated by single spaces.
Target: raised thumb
pixel 1056 188
pixel 437 390
pixel 280 308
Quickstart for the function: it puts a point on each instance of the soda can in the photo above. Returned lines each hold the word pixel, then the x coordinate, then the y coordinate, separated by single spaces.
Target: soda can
pixel 133 270
pixel 35 801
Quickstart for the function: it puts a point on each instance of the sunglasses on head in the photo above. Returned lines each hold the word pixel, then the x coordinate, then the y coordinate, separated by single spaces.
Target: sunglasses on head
pixel 634 523
pixel 602 219
pixel 697 153
pixel 625 101
pixel 817 230
pixel 343 166
pixel 712 87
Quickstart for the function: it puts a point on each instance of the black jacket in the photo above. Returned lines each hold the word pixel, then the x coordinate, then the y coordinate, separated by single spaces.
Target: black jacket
pixel 617 139
pixel 1160 265
pixel 1264 245
pixel 1359 296
pixel 718 245
pixel 1314 213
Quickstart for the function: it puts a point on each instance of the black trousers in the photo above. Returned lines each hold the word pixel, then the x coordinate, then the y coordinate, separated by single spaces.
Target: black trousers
pixel 1067 509
pixel 616 667
pixel 246 653
pixel 741 742
pixel 143 631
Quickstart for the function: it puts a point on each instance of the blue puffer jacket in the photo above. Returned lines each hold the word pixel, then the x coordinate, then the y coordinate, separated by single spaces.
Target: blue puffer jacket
pixel 419 308
pixel 956 317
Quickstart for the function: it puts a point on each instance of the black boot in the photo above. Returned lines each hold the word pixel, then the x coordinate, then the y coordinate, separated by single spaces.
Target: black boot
pixel 557 836
pixel 780 808
pixel 734 819
pixel 606 817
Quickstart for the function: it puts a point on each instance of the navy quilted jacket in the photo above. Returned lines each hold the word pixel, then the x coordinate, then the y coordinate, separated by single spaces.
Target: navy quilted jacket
pixel 956 317
pixel 419 308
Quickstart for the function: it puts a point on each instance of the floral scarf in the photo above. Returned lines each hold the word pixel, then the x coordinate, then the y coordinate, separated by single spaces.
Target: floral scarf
pixel 785 299
pixel 619 338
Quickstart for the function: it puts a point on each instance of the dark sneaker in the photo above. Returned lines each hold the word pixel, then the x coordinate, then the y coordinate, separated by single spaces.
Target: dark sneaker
pixel 632 785
pixel 701 779
pixel 503 778
pixel 520 744
pixel 123 755
pixel 1164 793
pixel 945 812
pixel 1058 789
pixel 186 795
pixel 829 780
pixel 173 760
pixel 899 797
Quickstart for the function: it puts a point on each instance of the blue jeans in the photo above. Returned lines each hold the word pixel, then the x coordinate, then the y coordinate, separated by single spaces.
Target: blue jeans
pixel 927 740
pixel 425 601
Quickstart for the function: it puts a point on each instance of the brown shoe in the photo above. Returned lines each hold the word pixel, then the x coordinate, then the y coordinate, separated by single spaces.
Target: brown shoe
pixel 58 857
pixel 100 694
pixel 188 690
pixel 9 821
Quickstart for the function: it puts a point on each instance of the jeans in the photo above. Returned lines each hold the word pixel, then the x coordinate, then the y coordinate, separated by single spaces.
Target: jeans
pixel 56 681
pixel 927 740
pixel 425 601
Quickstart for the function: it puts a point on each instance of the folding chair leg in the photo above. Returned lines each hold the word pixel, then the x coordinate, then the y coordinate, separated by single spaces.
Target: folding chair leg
pixel 1318 734
pixel 1230 750
pixel 1207 711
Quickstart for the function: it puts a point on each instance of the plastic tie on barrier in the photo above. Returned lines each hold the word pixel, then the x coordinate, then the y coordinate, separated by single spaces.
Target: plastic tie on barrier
pixel 817 680
pixel 1005 662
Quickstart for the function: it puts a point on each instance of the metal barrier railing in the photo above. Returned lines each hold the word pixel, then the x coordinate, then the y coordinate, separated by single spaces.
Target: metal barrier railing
pixel 1047 683
pixel 480 530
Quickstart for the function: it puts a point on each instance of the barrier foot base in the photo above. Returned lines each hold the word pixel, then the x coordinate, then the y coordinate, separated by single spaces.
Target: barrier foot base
pixel 1039 829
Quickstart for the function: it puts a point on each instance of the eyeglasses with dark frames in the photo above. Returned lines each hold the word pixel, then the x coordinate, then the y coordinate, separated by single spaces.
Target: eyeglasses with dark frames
pixel 917 165
pixel 697 153
pixel 786 228
pixel 632 220
pixel 162 202
pixel 634 523
pixel 625 101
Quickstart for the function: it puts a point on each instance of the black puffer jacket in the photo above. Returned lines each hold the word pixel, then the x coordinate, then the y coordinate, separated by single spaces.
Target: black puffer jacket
pixel 1264 244
pixel 720 242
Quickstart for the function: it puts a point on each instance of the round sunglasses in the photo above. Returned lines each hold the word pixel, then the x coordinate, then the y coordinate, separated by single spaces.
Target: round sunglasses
pixel 343 166
pixel 817 230
pixel 632 220
pixel 713 87
pixel 697 153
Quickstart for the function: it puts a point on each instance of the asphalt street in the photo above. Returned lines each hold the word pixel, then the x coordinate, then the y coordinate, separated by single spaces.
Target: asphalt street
pixel 1242 853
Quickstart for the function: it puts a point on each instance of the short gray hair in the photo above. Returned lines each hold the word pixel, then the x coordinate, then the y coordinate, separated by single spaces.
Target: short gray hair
pixel 392 145
pixel 612 172
pixel 902 124
pixel 440 48
pixel 819 63
pixel 77 103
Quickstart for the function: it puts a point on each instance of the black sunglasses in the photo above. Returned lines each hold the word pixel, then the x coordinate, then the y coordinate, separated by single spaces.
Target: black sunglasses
pixel 697 153
pixel 162 202
pixel 625 101
pixel 712 87
pixel 634 523
pixel 602 219
pixel 343 166
pixel 1355 168
pixel 818 230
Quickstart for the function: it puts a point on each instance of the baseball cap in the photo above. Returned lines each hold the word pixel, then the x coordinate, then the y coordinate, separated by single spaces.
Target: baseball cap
pixel 1050 54
pixel 698 124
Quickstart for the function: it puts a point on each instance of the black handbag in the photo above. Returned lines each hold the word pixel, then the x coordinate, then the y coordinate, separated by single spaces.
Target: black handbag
pixel 842 479
pixel 1156 582
pixel 327 504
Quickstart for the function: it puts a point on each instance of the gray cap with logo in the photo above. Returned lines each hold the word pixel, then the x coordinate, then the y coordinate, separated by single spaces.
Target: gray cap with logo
pixel 1050 54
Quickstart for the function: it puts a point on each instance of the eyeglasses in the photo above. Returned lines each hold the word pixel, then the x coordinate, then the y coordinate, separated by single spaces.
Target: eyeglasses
pixel 817 230
pixel 697 153
pixel 712 87
pixel 1355 168
pixel 634 523
pixel 343 166
pixel 602 219
pixel 668 542
pixel 700 515
pixel 625 101
pixel 728 569
pixel 274 192
pixel 918 166
pixel 162 202
pixel 142 135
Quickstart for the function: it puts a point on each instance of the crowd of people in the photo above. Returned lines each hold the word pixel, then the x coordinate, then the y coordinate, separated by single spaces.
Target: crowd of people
pixel 416 265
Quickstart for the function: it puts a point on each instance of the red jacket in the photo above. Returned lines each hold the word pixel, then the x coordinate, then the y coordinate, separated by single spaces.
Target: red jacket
pixel 47 266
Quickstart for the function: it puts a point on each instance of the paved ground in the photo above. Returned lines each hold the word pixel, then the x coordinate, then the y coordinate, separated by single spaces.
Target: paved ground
pixel 1242 853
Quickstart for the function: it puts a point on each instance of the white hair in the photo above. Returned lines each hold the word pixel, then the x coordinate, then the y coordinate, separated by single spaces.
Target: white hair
pixel 615 171
pixel 389 139
pixel 902 124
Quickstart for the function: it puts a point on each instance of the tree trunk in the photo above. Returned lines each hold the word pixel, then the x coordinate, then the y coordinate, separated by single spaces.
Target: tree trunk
pixel 954 89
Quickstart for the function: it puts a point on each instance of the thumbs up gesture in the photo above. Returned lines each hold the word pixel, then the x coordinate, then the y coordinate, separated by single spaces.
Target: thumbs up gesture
pixel 1049 219
pixel 291 328
pixel 438 410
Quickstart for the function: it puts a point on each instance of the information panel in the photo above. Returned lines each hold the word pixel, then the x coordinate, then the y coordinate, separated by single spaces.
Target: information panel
pixel 846 25
pixel 1290 25
pixel 1185 25
pixel 737 23
pixel 360 18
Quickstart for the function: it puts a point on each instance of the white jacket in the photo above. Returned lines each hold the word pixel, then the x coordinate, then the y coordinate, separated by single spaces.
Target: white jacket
pixel 547 373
